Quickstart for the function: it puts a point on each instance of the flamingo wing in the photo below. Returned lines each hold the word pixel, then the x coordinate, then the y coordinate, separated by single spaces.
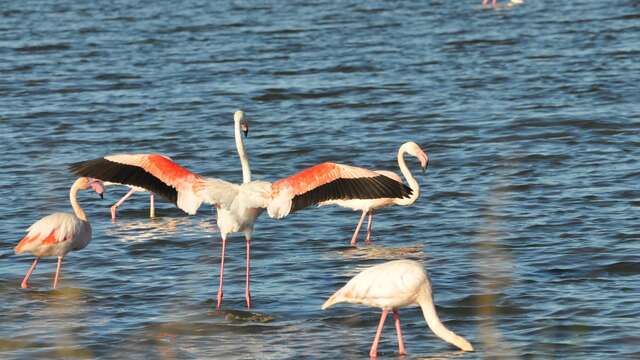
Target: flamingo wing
pixel 154 172
pixel 330 181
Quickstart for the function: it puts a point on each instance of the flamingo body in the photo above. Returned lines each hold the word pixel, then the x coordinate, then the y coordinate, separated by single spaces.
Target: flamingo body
pixel 393 285
pixel 55 235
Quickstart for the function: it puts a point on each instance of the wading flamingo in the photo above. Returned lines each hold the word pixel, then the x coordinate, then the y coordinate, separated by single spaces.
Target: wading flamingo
pixel 508 5
pixel 369 205
pixel 59 233
pixel 390 286
pixel 238 206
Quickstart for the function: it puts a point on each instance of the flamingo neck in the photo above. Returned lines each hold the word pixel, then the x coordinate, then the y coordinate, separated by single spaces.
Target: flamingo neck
pixel 425 300
pixel 244 160
pixel 73 198
pixel 413 184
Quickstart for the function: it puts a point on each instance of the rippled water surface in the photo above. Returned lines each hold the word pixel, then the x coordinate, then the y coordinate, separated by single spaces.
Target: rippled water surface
pixel 527 222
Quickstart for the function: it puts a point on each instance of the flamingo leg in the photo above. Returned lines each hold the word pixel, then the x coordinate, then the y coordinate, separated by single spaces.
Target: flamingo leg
pixel 224 244
pixel 367 240
pixel 354 238
pixel 247 289
pixel 55 280
pixel 374 347
pixel 396 318
pixel 152 208
pixel 24 284
pixel 115 206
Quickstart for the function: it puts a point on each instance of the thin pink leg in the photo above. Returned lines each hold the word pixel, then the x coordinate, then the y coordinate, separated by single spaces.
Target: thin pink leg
pixel 152 208
pixel 55 280
pixel 247 289
pixel 24 284
pixel 367 240
pixel 115 206
pixel 354 238
pixel 374 347
pixel 224 244
pixel 396 317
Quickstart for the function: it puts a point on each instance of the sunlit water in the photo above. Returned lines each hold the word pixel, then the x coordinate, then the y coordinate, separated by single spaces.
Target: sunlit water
pixel 528 220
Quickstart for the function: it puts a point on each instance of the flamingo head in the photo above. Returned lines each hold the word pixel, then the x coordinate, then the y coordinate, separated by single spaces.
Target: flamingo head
pixel 238 117
pixel 95 184
pixel 414 149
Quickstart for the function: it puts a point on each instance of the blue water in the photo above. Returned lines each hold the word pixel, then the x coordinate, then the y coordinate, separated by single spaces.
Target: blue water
pixel 528 220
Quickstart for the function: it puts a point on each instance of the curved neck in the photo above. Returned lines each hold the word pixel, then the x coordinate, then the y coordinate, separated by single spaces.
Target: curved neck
pixel 425 300
pixel 244 161
pixel 413 184
pixel 74 201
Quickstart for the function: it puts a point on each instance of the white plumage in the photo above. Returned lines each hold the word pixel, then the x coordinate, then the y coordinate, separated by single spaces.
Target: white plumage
pixel 393 285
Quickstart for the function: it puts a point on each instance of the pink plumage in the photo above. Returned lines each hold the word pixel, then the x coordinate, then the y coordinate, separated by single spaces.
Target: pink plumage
pixel 59 233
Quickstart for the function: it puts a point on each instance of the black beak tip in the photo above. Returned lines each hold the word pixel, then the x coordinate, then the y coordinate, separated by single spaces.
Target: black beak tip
pixel 246 133
pixel 101 196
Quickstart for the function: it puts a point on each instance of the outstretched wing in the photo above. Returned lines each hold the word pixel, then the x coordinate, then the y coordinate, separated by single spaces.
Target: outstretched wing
pixel 153 172
pixel 330 181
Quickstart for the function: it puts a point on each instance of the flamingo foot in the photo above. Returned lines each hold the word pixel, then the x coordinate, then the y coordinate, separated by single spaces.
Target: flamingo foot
pixel 24 283
pixel 55 280
pixel 247 297
pixel 219 305
pixel 113 214
pixel 396 317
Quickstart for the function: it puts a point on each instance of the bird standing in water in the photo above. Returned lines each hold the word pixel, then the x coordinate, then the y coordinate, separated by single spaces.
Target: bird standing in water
pixel 390 286
pixel 59 233
pixel 369 205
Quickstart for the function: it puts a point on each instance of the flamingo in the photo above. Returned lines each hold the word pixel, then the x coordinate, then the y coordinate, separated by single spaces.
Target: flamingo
pixel 369 205
pixel 59 233
pixel 390 286
pixel 239 205
pixel 510 4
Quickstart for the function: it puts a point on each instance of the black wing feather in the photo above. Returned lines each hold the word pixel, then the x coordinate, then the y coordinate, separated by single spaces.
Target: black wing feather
pixel 111 171
pixel 357 188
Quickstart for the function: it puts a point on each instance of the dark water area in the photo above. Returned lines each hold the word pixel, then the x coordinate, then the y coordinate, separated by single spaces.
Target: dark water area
pixel 528 221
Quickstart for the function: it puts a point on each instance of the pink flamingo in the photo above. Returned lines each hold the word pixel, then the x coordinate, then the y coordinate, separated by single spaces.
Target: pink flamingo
pixel 390 286
pixel 368 206
pixel 508 5
pixel 239 205
pixel 59 233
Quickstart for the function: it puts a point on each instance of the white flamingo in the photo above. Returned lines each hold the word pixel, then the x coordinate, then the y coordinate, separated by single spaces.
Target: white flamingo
pixel 390 286
pixel 59 233
pixel 239 205
pixel 367 206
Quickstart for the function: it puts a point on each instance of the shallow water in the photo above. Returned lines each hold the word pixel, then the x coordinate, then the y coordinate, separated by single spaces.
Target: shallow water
pixel 527 222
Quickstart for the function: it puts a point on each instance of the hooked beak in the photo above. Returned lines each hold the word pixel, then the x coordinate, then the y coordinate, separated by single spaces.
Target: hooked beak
pixel 98 187
pixel 424 162
pixel 245 128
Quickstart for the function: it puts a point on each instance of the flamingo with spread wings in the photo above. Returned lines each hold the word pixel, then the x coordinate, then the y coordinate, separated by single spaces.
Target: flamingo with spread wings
pixel 239 205
pixel 369 205
pixel 59 233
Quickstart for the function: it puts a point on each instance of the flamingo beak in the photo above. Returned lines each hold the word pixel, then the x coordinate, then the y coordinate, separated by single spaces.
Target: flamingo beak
pixel 245 128
pixel 424 162
pixel 98 187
